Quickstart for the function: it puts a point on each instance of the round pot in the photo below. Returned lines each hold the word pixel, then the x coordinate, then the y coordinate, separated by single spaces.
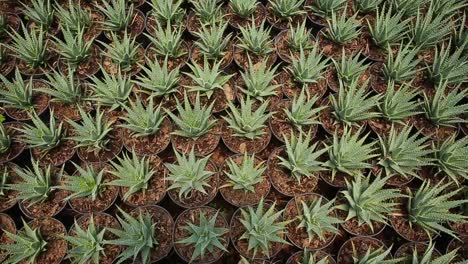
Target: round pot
pixel 241 145
pixel 283 49
pixel 40 103
pixel 134 30
pixel 51 231
pixel 202 146
pixel 17 145
pixel 236 22
pixel 115 146
pixel 298 256
pixel 362 244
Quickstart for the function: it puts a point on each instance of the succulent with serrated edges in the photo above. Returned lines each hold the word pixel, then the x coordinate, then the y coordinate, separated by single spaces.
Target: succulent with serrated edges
pixel 349 69
pixel 207 78
pixel 192 122
pixel 375 256
pixel 308 69
pixel 256 39
pixel 445 109
pixel 388 28
pixel 189 174
pixel 312 258
pixel 287 9
pixel 429 28
pixel 86 183
pixel 123 51
pixel 300 37
pixel 31 46
pixel 63 88
pixel 243 8
pixel 74 17
pixel 302 158
pixel 40 135
pixel 317 217
pixel 244 176
pixel 263 227
pixel 111 90
pixel 28 245
pixel 41 12
pixel 409 8
pixel 158 80
pixel 245 122
pixel 212 42
pixel 209 12
pixel 349 153
pixel 325 8
pixel 341 30
pixel 303 112
pixel 143 120
pixel 5 139
pixel 18 93
pixel 167 12
pixel 36 184
pixel 430 256
pixel 138 236
pixel 451 158
pixel 132 172
pixel 258 80
pixel 403 153
pixel 429 207
pixel 119 16
pixel 460 35
pixel 448 67
pixel 367 6
pixel 403 66
pixel 86 246
pixel 167 41
pixel 205 236
pixel 448 7
pixel 368 201
pixel 92 133
pixel 354 104
pixel 74 48
pixel 398 105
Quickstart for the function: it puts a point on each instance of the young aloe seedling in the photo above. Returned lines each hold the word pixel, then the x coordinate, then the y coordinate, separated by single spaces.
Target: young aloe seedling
pixel 18 93
pixel 258 80
pixel 243 8
pixel 5 139
pixel 350 69
pixel 255 39
pixel 111 90
pixel 74 48
pixel 42 136
pixel 41 12
pixel 341 30
pixel 245 122
pixel 167 12
pixel 167 42
pixel 209 12
pixel 300 37
pixel 388 28
pixel 143 120
pixel 188 174
pixel 375 256
pixel 430 256
pixel 398 105
pixel 30 46
pixel 448 67
pixel 119 16
pixel 63 88
pixel 451 157
pixel 308 69
pixel 303 112
pixel 246 175
pixel 74 17
pixel 123 51
pixel 287 9
pixel 205 236
pixel 212 41
pixel 158 80
pixel 87 183
pixel 325 8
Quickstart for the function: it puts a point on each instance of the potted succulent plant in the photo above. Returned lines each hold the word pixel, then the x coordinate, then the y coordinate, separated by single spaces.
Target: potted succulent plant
pixel 282 13
pixel 11 145
pixel 306 257
pixel 348 69
pixel 321 10
pixel 120 18
pixel 165 13
pixel 363 248
pixel 240 13
pixel 7 225
pixel 290 42
pixel 8 197
pixel 204 13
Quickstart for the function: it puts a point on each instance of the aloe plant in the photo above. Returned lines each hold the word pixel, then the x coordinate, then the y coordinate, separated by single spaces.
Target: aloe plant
pixel 300 37
pixel 74 17
pixel 63 88
pixel 167 42
pixel 132 172
pixel 325 8
pixel 92 132
pixel 86 246
pixel 303 112
pixel 74 48
pixel 258 80
pixel 367 6
pixel 167 12
pixel 317 217
pixel 246 175
pixel 401 67
pixel 388 28
pixel 460 35
pixel 243 8
pixel 398 105
pixel 29 244
pixel 158 80
pixel 409 8
pixel 209 12
pixel 312 258
pixel 287 9
pixel 245 122
pixel 111 90
pixel 302 159
pixel 5 139
pixel 207 78
pixel 255 39
pixel 36 183
pixel 123 51
pixel 403 153
pixel 138 236
pixel 368 201
pixel 30 46
pixel 118 15
pixel 205 237
pixel 429 29
pixel 429 207
pixel 143 120
pixel 342 29
pixel 375 256
pixel 349 69
pixel 448 7
pixel 430 256
pixel 448 67
pixel 451 157
pixel 445 109
pixel 308 69
pixel 189 174
pixel 192 122
pixel 86 183
pixel 262 227
pixel 41 12
pixel 348 153
pixel 354 104
pixel 18 93
pixel 40 135
pixel 212 41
